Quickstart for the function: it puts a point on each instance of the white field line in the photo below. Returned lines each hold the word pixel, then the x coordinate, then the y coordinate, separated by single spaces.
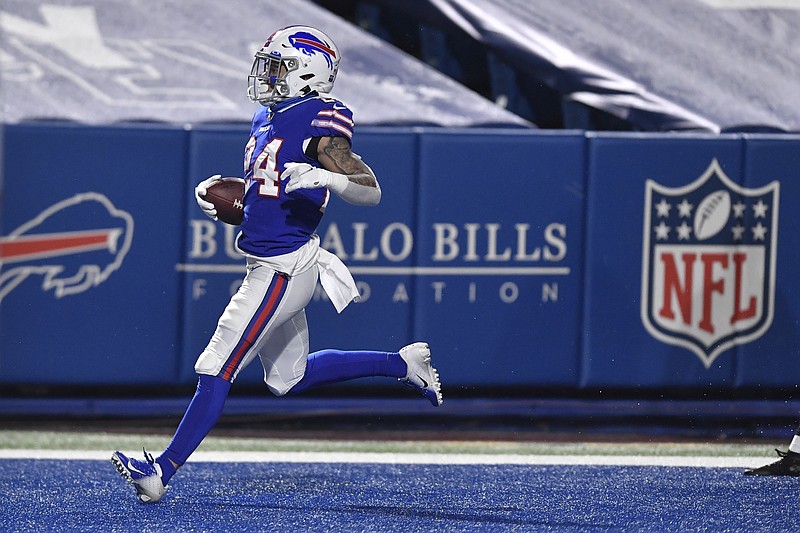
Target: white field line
pixel 415 458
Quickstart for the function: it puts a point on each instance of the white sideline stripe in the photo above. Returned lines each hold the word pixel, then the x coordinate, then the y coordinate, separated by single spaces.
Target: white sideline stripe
pixel 415 458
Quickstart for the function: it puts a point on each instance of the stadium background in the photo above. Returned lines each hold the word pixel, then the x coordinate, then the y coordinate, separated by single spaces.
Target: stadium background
pixel 523 146
pixel 510 237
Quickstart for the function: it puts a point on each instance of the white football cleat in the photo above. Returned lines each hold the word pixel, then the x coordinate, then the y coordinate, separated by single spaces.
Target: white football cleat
pixel 420 374
pixel 145 476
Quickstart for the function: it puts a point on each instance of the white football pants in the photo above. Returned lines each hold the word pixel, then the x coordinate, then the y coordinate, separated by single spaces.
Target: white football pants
pixel 266 317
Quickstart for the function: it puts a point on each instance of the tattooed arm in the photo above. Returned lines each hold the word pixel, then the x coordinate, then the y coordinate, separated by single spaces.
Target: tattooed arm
pixel 335 155
pixel 342 172
pixel 362 186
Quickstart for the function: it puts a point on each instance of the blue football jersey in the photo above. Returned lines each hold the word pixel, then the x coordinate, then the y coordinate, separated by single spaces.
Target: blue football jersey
pixel 276 223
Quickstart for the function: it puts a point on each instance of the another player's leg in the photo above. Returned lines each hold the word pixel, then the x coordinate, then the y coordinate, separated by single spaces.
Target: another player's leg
pixel 787 465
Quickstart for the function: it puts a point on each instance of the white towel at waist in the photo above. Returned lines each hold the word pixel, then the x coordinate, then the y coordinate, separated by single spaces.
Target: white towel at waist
pixel 336 279
pixel 334 276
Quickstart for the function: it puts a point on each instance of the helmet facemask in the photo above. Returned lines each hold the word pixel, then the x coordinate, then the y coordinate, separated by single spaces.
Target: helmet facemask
pixel 268 78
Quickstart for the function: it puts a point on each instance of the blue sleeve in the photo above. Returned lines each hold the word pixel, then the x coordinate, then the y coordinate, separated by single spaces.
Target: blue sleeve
pixel 333 119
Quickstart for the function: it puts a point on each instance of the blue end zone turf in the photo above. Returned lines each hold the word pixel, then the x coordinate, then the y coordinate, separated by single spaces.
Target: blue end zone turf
pixel 39 495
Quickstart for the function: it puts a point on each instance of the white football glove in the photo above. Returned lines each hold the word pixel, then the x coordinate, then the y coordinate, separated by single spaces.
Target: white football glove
pixel 304 176
pixel 200 192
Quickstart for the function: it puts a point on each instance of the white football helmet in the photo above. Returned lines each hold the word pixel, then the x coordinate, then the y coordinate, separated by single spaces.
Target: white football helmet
pixel 294 61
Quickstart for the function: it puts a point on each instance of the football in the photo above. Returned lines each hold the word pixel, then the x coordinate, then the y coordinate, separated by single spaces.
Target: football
pixel 227 196
pixel 712 215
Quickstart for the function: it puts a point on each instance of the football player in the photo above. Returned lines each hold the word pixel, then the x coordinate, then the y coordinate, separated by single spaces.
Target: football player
pixel 299 151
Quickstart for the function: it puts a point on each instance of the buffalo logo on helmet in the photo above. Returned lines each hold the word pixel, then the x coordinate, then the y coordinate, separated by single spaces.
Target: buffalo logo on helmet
pixel 311 45
pixel 57 245
pixel 708 265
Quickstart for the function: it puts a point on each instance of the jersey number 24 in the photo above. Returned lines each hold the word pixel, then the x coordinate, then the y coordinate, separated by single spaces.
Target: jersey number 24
pixel 265 167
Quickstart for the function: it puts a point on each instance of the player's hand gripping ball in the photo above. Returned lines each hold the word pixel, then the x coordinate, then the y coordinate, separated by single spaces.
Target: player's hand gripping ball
pixel 222 199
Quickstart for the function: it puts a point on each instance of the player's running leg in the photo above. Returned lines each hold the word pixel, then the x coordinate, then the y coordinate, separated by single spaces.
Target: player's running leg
pixel 150 477
pixel 255 308
pixel 412 366
pixel 290 369
pixel 335 366
pixel 787 465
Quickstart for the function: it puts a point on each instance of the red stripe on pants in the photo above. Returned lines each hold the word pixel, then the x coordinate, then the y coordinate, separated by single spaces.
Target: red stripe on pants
pixel 275 292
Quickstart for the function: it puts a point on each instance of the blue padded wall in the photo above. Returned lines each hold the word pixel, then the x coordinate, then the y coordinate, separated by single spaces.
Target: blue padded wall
pixel 527 259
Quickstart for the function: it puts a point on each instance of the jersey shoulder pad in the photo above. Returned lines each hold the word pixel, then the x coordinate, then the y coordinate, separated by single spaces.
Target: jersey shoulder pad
pixel 333 118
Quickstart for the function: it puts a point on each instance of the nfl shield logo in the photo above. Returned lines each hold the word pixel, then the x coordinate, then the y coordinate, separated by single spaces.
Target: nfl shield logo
pixel 708 262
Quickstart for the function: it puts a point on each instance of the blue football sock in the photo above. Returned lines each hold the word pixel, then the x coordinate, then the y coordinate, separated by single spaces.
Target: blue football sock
pixel 198 420
pixel 334 366
pixel 167 468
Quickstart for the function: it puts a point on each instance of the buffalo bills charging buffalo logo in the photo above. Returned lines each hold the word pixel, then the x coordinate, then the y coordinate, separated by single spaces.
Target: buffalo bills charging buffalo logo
pixel 74 245
pixel 709 252
pixel 310 45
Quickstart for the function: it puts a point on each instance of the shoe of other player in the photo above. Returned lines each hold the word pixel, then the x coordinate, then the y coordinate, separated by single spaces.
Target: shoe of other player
pixel 787 465
pixel 420 374
pixel 145 476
